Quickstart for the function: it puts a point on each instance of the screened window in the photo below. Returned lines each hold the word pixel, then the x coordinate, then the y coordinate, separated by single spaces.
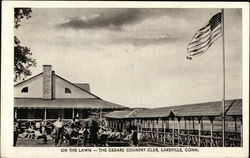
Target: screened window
pixel 25 90
pixel 67 90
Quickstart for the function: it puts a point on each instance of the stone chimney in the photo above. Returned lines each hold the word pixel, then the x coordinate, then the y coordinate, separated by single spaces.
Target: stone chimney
pixel 47 82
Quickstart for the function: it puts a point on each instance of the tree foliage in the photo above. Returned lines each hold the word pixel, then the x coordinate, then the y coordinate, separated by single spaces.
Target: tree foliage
pixel 19 14
pixel 22 55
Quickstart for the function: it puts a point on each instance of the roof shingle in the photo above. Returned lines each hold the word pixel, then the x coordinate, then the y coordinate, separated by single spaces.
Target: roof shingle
pixel 66 103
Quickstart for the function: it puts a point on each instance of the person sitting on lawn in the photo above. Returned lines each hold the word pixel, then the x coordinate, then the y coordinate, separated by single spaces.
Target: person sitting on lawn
pixel 118 135
pixel 25 133
pixel 30 132
pixel 112 136
pixel 39 135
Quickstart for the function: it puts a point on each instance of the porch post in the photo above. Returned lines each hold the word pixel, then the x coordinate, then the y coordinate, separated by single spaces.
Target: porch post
pixel 164 131
pixel 193 124
pixel 178 133
pixel 141 123
pixel 73 113
pixel 173 132
pixel 45 114
pixel 168 125
pixel 211 130
pixel 185 123
pixel 151 125
pixel 188 131
pixel 199 136
pixel 15 111
pixel 157 130
pixel 147 124
pixel 201 124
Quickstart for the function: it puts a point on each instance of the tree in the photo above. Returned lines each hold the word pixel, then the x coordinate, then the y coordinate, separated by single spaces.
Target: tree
pixel 22 55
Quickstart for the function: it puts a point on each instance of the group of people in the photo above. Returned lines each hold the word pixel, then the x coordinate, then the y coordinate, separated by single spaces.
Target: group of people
pixel 37 131
pixel 77 133
pixel 90 134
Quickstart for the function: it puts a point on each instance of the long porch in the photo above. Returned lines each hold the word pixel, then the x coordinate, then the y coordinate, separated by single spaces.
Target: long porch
pixel 186 125
pixel 185 131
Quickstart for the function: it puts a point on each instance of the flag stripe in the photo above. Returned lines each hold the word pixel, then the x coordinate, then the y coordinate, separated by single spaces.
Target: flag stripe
pixel 204 42
pixel 197 41
pixel 205 48
pixel 202 50
pixel 198 34
pixel 204 29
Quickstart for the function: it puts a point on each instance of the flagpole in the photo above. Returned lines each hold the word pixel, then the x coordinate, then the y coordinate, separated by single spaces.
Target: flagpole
pixel 223 96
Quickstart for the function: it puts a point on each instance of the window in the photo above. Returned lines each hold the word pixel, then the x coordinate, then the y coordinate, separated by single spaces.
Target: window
pixel 25 90
pixel 67 90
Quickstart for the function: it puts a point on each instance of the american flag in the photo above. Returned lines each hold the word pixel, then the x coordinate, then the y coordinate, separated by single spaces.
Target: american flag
pixel 205 37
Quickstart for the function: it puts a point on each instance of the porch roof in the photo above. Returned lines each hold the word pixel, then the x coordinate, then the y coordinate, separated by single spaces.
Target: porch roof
pixel 232 107
pixel 66 103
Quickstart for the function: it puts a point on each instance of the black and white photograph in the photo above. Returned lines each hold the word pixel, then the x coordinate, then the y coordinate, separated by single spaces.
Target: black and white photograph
pixel 127 79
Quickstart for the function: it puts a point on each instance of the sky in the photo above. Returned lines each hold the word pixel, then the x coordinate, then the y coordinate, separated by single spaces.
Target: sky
pixel 136 57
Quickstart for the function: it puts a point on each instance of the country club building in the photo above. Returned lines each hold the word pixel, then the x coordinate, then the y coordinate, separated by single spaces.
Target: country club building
pixel 47 96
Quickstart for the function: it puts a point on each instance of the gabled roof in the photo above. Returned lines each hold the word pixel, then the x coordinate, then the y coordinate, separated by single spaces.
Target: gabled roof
pixel 28 79
pixel 83 87
pixel 66 103
pixel 94 102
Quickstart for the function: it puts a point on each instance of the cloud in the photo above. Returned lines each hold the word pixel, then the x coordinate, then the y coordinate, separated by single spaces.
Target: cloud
pixel 113 19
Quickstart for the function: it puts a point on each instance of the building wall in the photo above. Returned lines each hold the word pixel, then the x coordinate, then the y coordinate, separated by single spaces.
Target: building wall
pixel 59 91
pixel 35 88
